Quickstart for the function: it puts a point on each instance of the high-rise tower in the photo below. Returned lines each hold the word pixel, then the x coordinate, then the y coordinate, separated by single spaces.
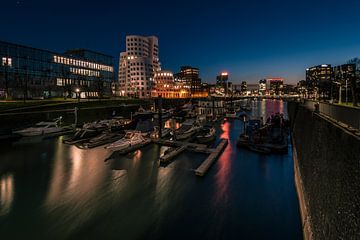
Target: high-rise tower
pixel 137 66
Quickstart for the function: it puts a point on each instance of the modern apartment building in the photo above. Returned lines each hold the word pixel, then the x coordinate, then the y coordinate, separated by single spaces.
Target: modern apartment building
pixel 275 86
pixel 27 72
pixel 165 86
pixel 137 66
pixel 189 76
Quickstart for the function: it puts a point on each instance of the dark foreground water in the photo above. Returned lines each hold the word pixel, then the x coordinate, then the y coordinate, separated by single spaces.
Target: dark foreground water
pixel 49 190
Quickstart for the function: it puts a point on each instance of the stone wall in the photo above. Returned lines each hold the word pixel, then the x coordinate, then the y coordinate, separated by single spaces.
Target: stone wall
pixel 327 168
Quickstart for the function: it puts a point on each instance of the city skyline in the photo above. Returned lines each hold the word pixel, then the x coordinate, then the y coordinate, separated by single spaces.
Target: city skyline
pixel 248 40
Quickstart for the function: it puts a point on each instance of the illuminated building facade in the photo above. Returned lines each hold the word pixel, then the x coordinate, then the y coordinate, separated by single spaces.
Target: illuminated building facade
pixel 222 80
pixel 27 72
pixel 189 78
pixel 243 87
pixel 262 86
pixel 137 66
pixel 318 79
pixel 275 86
pixel 165 86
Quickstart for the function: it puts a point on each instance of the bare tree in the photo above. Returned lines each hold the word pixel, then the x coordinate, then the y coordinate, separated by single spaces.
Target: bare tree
pixel 354 79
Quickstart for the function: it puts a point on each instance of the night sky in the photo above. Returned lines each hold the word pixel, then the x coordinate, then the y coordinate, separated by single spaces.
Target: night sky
pixel 249 39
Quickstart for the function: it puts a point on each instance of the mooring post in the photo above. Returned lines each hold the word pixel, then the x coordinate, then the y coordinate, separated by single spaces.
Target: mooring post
pixel 160 115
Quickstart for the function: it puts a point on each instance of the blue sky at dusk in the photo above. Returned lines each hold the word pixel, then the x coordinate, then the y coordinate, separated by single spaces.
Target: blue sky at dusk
pixel 249 39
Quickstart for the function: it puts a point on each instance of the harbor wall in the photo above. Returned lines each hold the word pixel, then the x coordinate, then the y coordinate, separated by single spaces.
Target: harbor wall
pixel 24 119
pixel 327 175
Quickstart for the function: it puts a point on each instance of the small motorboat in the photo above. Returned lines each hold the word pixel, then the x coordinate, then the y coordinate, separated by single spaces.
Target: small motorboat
pixel 102 139
pixel 187 129
pixel 164 132
pixel 130 139
pixel 206 135
pixel 230 113
pixel 143 114
pixel 164 115
pixel 42 128
pixel 83 135
pixel 120 123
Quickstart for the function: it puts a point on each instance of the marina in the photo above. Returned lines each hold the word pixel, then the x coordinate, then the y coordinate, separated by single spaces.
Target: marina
pixel 120 184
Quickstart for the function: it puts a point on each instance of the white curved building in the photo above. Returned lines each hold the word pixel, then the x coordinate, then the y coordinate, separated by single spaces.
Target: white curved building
pixel 137 66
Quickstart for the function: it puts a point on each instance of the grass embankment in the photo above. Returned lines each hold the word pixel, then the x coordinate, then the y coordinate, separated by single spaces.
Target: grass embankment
pixel 348 105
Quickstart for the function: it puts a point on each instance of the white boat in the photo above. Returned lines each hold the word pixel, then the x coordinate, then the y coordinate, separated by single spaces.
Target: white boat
pixel 42 128
pixel 207 135
pixel 130 139
pixel 165 115
pixel 230 114
pixel 164 132
pixel 187 129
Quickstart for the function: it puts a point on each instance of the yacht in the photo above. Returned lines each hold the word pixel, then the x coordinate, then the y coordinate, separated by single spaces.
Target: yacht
pixel 143 114
pixel 206 135
pixel 230 113
pixel 130 139
pixel 187 129
pixel 42 128
pixel 164 132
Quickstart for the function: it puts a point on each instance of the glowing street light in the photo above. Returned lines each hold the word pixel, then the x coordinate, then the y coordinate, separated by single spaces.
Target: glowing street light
pixel 77 90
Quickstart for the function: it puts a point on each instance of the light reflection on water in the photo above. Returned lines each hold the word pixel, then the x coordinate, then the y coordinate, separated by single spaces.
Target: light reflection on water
pixel 131 197
pixel 6 193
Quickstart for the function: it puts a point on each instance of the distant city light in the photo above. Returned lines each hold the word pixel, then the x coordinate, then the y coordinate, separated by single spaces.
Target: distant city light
pixel 224 74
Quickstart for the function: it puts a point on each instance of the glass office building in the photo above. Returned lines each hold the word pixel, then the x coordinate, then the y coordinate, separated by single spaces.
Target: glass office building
pixel 34 73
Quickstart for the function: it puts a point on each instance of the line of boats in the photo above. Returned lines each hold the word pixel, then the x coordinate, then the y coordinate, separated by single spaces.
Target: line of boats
pixel 119 133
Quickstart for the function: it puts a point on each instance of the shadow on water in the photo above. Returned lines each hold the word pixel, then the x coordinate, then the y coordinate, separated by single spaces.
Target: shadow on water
pixel 52 190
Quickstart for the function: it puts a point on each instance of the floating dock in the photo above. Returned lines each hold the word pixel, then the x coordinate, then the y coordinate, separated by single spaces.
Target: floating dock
pixel 172 154
pixel 203 168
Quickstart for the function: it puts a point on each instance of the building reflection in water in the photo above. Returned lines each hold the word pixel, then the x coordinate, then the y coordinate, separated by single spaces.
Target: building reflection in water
pixel 224 162
pixel 6 193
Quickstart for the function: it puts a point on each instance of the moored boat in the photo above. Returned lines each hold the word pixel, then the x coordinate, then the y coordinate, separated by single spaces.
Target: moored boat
pixel 130 139
pixel 206 135
pixel 82 135
pixel 269 138
pixel 102 139
pixel 187 129
pixel 42 128
pixel 164 132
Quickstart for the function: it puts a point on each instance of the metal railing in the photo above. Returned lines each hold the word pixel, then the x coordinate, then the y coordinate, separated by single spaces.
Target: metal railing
pixel 347 115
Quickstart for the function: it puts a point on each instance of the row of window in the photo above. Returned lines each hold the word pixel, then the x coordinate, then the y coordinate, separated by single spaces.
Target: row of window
pixel 81 63
pixel 85 72
pixel 68 81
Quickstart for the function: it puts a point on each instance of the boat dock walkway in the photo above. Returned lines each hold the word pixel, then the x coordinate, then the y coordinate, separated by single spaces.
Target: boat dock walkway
pixel 195 147
pixel 171 155
pixel 214 153
pixel 202 169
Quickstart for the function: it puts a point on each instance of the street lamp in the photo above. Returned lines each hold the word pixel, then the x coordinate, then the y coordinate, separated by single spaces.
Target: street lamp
pixel 340 99
pixel 77 90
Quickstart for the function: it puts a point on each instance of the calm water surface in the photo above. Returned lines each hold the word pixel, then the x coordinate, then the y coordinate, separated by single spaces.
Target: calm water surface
pixel 49 190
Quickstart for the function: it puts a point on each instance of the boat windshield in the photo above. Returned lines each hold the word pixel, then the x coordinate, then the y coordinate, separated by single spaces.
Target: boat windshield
pixel 128 135
pixel 44 125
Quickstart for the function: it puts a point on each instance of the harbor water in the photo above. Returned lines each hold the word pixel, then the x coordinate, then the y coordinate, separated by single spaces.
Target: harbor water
pixel 49 190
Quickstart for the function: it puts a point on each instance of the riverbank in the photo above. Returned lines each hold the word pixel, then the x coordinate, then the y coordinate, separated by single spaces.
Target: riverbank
pixel 327 175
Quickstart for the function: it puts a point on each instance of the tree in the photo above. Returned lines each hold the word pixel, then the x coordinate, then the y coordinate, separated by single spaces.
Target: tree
pixel 354 79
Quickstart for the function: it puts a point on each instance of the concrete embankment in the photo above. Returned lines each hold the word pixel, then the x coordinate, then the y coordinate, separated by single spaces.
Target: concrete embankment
pixel 327 175
pixel 26 118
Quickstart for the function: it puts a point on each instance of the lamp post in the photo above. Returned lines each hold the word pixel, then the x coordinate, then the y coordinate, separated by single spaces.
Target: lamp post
pixel 340 90
pixel 77 90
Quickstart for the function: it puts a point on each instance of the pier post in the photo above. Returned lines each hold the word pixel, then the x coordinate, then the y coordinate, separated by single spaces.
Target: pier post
pixel 160 115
